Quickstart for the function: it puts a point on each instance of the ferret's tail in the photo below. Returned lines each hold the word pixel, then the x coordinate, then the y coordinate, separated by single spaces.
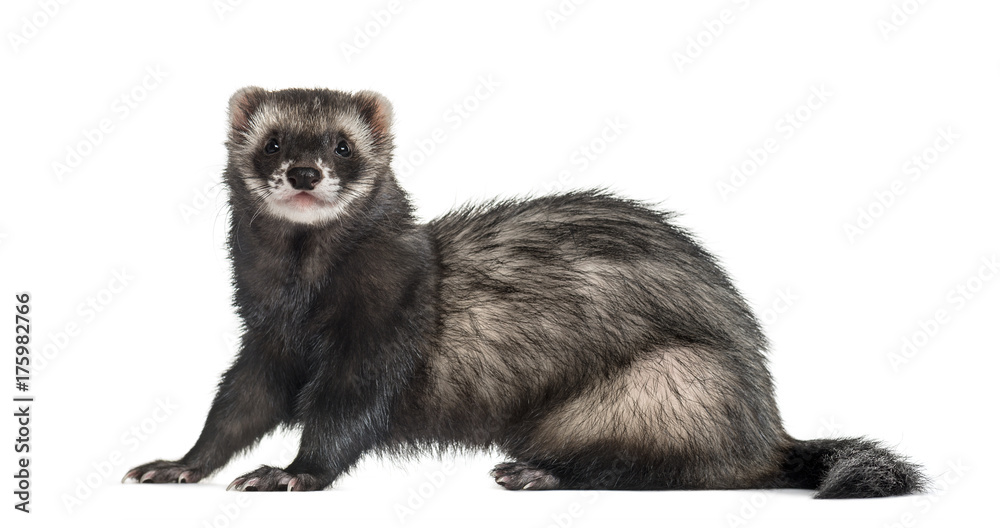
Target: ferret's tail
pixel 849 468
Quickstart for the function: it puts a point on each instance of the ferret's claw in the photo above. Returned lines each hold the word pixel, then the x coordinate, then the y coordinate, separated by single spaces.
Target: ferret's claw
pixel 236 485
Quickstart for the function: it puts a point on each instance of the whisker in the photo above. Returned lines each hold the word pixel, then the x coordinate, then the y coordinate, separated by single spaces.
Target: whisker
pixel 259 209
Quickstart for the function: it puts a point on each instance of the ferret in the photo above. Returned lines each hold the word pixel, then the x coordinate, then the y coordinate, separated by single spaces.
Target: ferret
pixel 586 337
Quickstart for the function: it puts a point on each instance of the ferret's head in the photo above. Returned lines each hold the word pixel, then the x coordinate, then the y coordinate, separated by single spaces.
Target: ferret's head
pixel 305 156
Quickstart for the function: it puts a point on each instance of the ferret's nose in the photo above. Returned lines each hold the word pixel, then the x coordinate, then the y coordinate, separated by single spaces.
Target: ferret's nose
pixel 304 178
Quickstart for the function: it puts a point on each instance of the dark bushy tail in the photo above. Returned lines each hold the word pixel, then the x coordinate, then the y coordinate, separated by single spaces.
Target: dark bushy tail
pixel 849 468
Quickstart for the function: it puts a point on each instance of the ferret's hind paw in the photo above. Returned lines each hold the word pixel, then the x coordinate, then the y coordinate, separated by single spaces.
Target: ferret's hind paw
pixel 523 476
pixel 267 478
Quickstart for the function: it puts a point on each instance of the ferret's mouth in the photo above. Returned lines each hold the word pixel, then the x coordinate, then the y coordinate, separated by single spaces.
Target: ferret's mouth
pixel 303 200
pixel 305 207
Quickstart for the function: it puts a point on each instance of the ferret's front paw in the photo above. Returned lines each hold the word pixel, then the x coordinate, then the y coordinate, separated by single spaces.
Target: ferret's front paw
pixel 520 475
pixel 267 478
pixel 162 471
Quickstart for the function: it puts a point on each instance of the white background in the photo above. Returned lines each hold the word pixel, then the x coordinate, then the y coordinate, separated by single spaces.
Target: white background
pixel 143 200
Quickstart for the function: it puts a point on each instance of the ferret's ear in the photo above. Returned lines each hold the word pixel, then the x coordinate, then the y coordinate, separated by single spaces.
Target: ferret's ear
pixel 376 111
pixel 242 106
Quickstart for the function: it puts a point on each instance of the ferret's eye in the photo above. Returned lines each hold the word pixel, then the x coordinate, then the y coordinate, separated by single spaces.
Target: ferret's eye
pixel 343 149
pixel 271 146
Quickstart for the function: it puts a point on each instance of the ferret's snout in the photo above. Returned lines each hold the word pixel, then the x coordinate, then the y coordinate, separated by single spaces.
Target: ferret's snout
pixel 304 178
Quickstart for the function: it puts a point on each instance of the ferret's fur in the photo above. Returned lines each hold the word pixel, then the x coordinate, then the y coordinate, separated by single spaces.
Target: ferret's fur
pixel 586 337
